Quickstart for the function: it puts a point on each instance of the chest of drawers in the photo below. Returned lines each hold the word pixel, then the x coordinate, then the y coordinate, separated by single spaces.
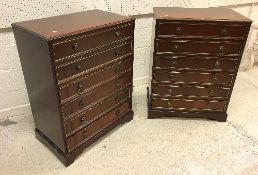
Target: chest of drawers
pixel 196 57
pixel 78 74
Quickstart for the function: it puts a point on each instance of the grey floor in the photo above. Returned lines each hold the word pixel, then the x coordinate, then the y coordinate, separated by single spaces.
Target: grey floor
pixel 143 146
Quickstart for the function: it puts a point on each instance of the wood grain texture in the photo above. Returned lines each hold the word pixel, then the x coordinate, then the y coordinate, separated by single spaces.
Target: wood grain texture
pixel 197 53
pixel 79 79
pixel 199 14
pixel 41 85
pixel 70 24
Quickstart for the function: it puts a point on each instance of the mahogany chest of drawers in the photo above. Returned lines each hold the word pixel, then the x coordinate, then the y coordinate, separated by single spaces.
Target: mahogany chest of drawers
pixel 78 74
pixel 196 57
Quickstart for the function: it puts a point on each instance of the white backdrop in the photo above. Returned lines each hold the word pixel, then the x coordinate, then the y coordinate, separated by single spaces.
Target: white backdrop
pixel 21 10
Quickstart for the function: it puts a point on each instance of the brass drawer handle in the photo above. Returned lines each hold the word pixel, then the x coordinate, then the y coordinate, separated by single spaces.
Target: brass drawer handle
pixel 118 112
pixel 75 46
pixel 211 92
pixel 170 91
pixel 117 53
pixel 83 119
pixel 175 46
pixel 79 88
pixel 78 66
pixel 84 133
pixel 117 85
pixel 209 105
pixel 81 103
pixel 217 64
pixel 117 33
pixel 116 70
pixel 215 77
pixel 224 31
pixel 178 30
pixel 221 48
pixel 174 62
pixel 168 104
pixel 117 99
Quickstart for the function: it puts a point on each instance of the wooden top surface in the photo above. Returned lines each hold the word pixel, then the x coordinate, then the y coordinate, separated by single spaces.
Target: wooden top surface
pixel 201 14
pixel 57 26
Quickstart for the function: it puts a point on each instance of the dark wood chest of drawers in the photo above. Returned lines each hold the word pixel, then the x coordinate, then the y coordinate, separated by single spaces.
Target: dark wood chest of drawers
pixel 78 73
pixel 196 57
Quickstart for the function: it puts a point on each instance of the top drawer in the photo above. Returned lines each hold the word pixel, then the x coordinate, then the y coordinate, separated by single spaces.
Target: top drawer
pixel 199 47
pixel 90 40
pixel 187 29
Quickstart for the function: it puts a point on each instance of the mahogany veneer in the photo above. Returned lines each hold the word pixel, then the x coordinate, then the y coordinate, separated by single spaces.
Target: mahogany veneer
pixel 196 57
pixel 78 73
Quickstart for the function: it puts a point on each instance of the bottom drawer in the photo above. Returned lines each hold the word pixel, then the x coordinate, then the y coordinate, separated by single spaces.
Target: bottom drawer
pixel 93 113
pixel 96 127
pixel 187 104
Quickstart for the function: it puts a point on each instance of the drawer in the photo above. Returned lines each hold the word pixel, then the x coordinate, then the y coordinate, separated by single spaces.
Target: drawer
pixel 91 40
pixel 95 111
pixel 190 91
pixel 93 129
pixel 168 76
pixel 187 104
pixel 200 47
pixel 82 65
pixel 188 29
pixel 196 62
pixel 95 95
pixel 94 79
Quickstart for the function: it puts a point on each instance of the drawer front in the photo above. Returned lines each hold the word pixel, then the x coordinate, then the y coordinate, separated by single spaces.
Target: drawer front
pixel 201 29
pixel 97 59
pixel 93 79
pixel 97 126
pixel 95 95
pixel 95 111
pixel 200 47
pixel 190 91
pixel 87 41
pixel 195 62
pixel 189 104
pixel 167 76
